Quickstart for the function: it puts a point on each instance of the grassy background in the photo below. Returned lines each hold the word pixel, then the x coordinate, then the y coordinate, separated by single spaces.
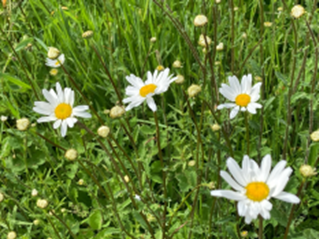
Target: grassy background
pixel 122 30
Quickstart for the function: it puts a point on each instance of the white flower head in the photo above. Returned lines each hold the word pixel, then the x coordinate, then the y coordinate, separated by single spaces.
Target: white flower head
pixel 140 91
pixel 243 95
pixel 55 63
pixel 59 108
pixel 255 185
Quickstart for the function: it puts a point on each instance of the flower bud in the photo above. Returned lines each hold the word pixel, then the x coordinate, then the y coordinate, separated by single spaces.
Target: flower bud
pixel 220 46
pixel 200 20
pixel 1 197
pixel 71 154
pixel 81 182
pixel 258 78
pixel 117 111
pixel 204 50
pixel 217 63
pixel 153 39
pixel 23 124
pixel 137 197
pixel 180 79
pixel 12 235
pixel 193 90
pixel 236 9
pixel 244 35
pixel 315 136
pixel 177 64
pixel 160 68
pixel 34 193
pixel 87 34
pixel 36 222
pixel 53 72
pixel 280 9
pixel 215 127
pixel 307 171
pixel 217 1
pixel 267 24
pixel 244 233
pixel 103 131
pixel 297 11
pixel 4 118
pixel 64 8
pixel 211 185
pixel 191 163
pixel 42 203
pixel 126 178
pixel 202 42
pixel 53 53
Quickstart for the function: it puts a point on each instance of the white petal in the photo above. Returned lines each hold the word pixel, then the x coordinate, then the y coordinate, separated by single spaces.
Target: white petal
pixel 234 84
pixel 59 92
pixel 151 103
pixel 234 112
pixel 282 181
pixel 275 173
pixel 82 114
pixel 57 124
pixel 265 168
pixel 251 109
pixel 288 197
pixel 80 108
pixel 49 97
pixel 248 219
pixel 228 194
pixel 236 172
pixel 71 122
pixel 243 109
pixel 135 81
pixel 46 119
pixel 229 89
pixel 266 204
pixel 242 208
pixel 42 111
pixel 64 128
pixel 226 105
pixel 264 213
pixel 72 98
pixel 231 181
pixel 246 84
pixel 246 168
pixel 227 94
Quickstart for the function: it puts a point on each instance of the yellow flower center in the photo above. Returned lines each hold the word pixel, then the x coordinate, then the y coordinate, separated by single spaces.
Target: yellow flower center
pixel 57 63
pixel 145 90
pixel 242 100
pixel 63 111
pixel 257 191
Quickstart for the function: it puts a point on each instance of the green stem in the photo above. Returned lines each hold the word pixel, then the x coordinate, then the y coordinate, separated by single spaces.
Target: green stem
pixel 260 232
pixel 247 131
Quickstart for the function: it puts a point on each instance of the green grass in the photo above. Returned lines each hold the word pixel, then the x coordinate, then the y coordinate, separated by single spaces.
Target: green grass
pixel 283 56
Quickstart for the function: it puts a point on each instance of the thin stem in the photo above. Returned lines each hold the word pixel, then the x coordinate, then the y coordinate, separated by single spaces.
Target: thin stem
pixel 260 231
pixel 232 36
pixel 163 172
pixel 64 224
pixel 247 131
pixel 292 210
pixel 55 230
pixel 51 142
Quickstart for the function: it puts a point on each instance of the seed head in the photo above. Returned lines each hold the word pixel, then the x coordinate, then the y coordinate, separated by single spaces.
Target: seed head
pixel 193 90
pixel 23 124
pixel 71 154
pixel 117 111
pixel 42 203
pixel 200 20
pixel 297 11
pixel 307 171
pixel 103 131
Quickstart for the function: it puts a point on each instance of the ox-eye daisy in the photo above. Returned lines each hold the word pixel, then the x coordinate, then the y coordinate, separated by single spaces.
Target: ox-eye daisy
pixel 243 95
pixel 56 62
pixel 255 186
pixel 140 91
pixel 59 108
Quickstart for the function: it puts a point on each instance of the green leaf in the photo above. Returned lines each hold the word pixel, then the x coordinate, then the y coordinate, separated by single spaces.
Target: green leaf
pixel 95 220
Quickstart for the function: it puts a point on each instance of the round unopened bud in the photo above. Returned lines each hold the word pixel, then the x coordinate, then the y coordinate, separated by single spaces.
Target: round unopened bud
pixel 53 72
pixel 153 39
pixel 12 235
pixel 106 111
pixel 244 35
pixel 202 41
pixel 204 50
pixel 1 197
pixel 258 78
pixel 42 203
pixel 71 154
pixel 150 218
pixel 33 124
pixel 53 53
pixel 81 182
pixel 307 171
pixel 36 222
pixel 126 178
pixel 4 118
pixel 160 68
pixel 34 193
pixel 297 11
pixel 220 46
pixel 117 111
pixel 267 24
pixel 315 136
pixel 193 90
pixel 191 163
pixel 63 210
pixel 137 197
pixel 200 20
pixel 280 9
pixel 215 127
pixel 64 8
pixel 23 124
pixel 87 34
pixel 177 64
pixel 218 1
pixel 103 131
pixel 212 185
pixel 180 79
pixel 236 9
pixel 244 233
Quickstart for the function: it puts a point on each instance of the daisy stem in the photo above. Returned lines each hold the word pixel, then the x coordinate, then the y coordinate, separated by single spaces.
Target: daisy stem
pixel 247 131
pixel 163 171
pixel 232 36
pixel 54 229
pixel 64 224
pixel 260 231
pixel 292 210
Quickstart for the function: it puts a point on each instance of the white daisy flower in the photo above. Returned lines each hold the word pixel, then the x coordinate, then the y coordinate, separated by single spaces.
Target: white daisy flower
pixel 243 95
pixel 140 91
pixel 55 63
pixel 59 108
pixel 255 185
